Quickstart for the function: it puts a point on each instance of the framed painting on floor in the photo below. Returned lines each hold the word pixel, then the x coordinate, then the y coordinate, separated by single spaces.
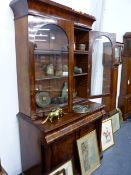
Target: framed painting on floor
pixel 107 138
pixel 115 122
pixel 88 153
pixel 64 169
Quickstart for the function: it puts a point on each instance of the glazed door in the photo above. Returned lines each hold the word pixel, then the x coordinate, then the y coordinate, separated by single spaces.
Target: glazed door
pixel 100 63
pixel 52 48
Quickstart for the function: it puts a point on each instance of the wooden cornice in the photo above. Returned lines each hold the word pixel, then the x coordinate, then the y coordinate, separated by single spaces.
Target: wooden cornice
pixel 22 8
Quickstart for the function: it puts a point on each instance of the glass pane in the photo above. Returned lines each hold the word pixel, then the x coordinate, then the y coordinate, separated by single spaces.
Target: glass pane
pixel 117 54
pixel 51 65
pixel 51 37
pixel 101 66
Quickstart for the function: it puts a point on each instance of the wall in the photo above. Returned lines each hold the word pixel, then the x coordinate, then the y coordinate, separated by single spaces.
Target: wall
pixel 116 17
pixel 116 20
pixel 9 140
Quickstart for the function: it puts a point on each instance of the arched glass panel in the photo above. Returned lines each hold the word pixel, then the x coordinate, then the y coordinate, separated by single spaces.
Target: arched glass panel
pixel 51 63
pixel 101 66
pixel 51 37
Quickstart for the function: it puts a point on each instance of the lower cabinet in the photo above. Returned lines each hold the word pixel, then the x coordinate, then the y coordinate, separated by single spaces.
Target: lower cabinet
pixel 45 147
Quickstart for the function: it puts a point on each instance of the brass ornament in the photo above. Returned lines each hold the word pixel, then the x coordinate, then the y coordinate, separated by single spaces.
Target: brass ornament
pixel 54 114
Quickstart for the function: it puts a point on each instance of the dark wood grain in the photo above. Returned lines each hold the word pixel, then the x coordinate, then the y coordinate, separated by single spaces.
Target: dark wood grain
pixel 45 7
pixel 23 74
pixel 56 142
pixel 125 86
pixel 45 146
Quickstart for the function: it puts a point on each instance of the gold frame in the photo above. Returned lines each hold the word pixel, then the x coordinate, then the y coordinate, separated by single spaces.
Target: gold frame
pixel 115 122
pixel 61 172
pixel 88 153
pixel 64 169
pixel 107 137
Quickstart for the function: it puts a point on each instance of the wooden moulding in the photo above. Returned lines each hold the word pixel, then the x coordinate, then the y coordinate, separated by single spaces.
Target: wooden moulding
pixel 45 7
pixel 48 141
pixel 67 124
pixel 23 8
pixel 75 126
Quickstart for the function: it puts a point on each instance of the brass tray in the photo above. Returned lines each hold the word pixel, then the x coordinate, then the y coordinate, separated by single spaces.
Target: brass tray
pixel 81 108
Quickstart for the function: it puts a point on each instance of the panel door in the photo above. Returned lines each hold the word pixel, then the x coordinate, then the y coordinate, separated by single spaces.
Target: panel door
pixel 50 57
pixel 101 59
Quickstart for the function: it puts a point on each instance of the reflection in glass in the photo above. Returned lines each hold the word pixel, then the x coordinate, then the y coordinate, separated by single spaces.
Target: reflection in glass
pixel 118 51
pixel 51 37
pixel 51 63
pixel 101 66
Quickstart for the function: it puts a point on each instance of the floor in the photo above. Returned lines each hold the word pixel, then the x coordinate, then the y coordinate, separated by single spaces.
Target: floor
pixel 117 159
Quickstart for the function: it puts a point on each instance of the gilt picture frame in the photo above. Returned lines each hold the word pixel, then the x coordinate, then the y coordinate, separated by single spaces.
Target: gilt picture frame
pixel 115 122
pixel 61 172
pixel 64 169
pixel 88 153
pixel 107 137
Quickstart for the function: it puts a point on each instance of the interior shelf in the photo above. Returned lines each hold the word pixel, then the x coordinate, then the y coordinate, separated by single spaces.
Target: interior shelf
pixel 50 78
pixel 50 52
pixel 58 77
pixel 83 74
pixel 81 52
pixel 58 52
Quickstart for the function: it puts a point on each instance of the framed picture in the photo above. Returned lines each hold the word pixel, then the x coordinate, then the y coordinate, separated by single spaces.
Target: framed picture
pixel 64 169
pixel 61 172
pixel 88 153
pixel 115 122
pixel 120 116
pixel 107 138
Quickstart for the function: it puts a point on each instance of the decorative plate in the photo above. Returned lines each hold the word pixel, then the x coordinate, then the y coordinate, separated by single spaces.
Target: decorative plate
pixel 43 99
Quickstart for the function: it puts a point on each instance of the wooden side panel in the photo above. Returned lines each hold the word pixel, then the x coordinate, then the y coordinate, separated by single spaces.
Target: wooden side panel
pixel 129 105
pixel 129 76
pixel 30 145
pixel 63 149
pixel 115 78
pixel 110 101
pixel 124 75
pixel 22 60
pixel 123 97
